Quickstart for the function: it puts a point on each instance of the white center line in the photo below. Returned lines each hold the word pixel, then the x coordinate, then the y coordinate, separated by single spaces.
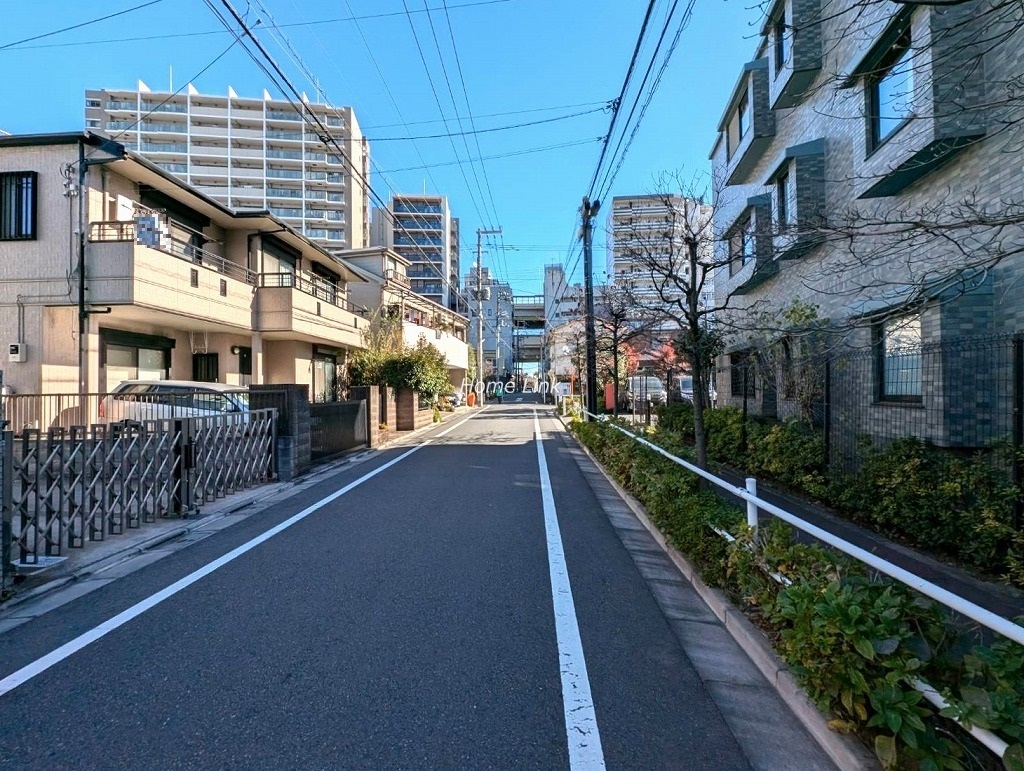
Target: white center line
pixel 585 751
pixel 57 655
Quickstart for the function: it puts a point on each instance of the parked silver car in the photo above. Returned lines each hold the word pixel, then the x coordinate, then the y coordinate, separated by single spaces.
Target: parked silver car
pixel 641 390
pixel 135 401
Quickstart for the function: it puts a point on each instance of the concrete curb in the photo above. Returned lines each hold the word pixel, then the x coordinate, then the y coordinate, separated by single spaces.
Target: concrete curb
pixel 846 751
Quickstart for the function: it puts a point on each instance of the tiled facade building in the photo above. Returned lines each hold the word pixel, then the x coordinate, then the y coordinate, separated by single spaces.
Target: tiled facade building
pixel 868 163
pixel 421 229
pixel 250 153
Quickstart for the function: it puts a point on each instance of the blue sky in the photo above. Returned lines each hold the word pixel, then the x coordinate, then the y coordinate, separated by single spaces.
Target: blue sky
pixel 534 59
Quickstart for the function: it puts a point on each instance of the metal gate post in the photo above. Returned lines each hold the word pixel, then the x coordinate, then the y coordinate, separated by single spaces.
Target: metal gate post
pixel 183 451
pixel 6 515
pixel 1018 429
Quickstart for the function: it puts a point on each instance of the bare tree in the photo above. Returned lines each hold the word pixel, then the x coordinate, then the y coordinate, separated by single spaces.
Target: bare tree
pixel 620 321
pixel 669 246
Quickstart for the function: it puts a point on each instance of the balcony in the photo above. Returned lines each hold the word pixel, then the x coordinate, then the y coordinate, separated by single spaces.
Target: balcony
pixel 173 278
pixel 397 277
pixel 305 305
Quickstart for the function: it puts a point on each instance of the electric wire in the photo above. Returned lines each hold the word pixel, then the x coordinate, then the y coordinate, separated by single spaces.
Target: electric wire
pixel 78 26
pixel 206 33
pixel 277 76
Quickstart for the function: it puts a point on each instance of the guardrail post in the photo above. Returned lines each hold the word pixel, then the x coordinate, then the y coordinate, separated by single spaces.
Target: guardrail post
pixel 751 506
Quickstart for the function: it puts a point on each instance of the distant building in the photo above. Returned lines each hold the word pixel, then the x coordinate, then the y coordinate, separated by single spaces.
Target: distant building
pixel 654 228
pixel 498 313
pixel 250 153
pixel 421 229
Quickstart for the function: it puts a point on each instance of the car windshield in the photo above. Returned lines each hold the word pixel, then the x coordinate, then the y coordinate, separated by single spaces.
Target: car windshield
pixel 242 398
pixel 650 383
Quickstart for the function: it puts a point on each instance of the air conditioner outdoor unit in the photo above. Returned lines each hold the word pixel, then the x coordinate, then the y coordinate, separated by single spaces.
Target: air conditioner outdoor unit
pixel 17 352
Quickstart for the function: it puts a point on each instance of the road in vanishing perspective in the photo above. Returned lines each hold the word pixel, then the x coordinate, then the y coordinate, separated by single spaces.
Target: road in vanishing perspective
pixel 464 601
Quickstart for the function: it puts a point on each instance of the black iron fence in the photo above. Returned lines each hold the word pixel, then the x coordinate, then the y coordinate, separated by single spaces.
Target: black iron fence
pixel 336 427
pixel 964 395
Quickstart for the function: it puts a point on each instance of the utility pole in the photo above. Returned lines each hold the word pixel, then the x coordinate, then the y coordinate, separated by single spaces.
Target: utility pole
pixel 589 211
pixel 480 303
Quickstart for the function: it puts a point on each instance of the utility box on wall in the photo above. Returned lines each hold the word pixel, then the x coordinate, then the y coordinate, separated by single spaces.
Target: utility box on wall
pixel 17 352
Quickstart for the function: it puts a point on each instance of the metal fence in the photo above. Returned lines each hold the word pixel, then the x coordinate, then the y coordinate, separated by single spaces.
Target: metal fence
pixel 62 488
pixel 965 395
pixel 336 427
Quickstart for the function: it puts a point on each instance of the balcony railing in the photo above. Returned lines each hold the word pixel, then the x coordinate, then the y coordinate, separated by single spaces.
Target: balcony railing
pixel 314 286
pixel 125 231
pixel 393 275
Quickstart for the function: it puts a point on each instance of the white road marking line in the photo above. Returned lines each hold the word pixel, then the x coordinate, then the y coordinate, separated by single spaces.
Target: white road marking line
pixel 585 750
pixel 57 655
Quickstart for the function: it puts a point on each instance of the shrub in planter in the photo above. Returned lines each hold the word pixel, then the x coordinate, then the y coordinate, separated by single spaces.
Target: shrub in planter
pixel 789 453
pixel 677 418
pixel 724 427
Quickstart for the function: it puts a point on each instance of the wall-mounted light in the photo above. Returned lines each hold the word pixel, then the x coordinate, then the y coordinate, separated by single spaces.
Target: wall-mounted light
pixel 235 350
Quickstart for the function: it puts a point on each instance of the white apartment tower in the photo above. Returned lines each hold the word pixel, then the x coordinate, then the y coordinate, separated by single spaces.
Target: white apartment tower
pixel 250 153
pixel 655 226
pixel 421 229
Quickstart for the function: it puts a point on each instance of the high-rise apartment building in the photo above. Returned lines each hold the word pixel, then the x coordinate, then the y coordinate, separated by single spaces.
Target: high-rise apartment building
pixel 250 153
pixel 421 229
pixel 647 247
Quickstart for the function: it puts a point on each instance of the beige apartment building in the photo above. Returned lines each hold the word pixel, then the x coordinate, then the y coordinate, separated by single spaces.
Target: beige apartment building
pixel 175 284
pixel 250 153
pixel 387 286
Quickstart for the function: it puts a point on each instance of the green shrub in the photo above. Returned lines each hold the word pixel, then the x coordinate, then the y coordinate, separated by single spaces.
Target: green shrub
pixel 855 644
pixel 724 428
pixel 789 453
pixel 676 418
pixel 958 507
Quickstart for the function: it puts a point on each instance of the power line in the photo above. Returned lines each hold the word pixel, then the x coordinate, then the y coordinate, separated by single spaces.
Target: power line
pixel 622 91
pixel 79 26
pixel 499 156
pixel 493 129
pixel 215 31
pixel 277 77
pixel 492 115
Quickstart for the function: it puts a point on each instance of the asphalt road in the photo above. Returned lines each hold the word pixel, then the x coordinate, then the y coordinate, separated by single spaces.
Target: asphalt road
pixel 408 623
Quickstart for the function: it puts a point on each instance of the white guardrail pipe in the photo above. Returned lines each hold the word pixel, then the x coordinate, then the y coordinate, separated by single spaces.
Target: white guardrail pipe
pixel 953 601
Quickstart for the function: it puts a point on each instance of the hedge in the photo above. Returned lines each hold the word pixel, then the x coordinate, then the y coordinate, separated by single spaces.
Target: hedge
pixel 855 643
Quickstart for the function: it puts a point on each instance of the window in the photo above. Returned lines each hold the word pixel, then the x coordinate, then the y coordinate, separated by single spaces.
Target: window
pixel 742 118
pixel 784 200
pixel 899 359
pixel 18 206
pixel 891 90
pixel 741 247
pixel 780 32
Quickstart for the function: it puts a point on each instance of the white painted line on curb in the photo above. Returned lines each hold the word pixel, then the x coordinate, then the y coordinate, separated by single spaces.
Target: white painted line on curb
pixel 57 655
pixel 585 750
